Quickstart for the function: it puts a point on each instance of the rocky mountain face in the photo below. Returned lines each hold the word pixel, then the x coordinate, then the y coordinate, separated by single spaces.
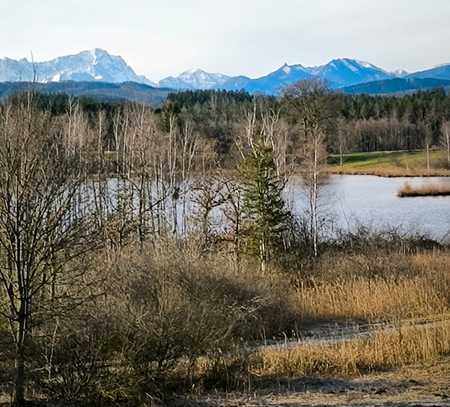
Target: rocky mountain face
pixel 94 65
pixel 195 79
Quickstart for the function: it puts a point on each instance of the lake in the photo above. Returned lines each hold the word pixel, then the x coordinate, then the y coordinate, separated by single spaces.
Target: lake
pixel 372 201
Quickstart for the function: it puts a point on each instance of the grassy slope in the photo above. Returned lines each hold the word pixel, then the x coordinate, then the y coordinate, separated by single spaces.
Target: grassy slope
pixel 391 163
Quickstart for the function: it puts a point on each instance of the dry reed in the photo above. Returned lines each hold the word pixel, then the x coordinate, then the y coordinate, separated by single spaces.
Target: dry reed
pixel 376 287
pixel 408 191
pixel 384 350
pixel 372 300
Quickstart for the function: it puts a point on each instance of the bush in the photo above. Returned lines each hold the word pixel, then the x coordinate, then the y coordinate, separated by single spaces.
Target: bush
pixel 77 360
pixel 182 306
pixel 157 313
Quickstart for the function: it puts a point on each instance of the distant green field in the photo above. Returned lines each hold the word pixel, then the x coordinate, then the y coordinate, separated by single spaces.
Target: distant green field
pixel 394 162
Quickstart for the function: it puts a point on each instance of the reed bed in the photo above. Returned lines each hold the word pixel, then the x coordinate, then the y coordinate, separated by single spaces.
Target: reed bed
pixel 384 350
pixel 371 300
pixel 408 191
pixel 376 287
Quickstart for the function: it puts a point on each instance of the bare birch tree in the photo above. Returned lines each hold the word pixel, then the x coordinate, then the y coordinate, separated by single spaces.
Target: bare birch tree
pixel 310 106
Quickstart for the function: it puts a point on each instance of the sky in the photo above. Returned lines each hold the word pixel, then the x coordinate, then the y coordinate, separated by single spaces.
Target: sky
pixel 236 37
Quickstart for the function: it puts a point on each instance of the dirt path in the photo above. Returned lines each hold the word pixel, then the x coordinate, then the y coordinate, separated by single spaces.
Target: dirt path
pixel 335 332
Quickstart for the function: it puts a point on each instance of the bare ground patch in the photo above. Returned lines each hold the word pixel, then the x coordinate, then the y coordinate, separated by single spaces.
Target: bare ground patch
pixel 417 385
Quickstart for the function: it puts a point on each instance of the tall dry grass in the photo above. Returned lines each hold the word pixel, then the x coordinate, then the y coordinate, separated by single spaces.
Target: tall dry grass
pixel 376 286
pixel 372 300
pixel 401 287
pixel 408 191
pixel 384 350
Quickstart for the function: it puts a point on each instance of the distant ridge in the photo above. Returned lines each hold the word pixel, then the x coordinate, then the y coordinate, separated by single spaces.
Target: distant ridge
pixel 101 91
pixel 438 72
pixel 397 86
pixel 343 74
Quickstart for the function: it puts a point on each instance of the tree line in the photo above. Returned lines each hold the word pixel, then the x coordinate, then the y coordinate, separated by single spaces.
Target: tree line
pixel 366 123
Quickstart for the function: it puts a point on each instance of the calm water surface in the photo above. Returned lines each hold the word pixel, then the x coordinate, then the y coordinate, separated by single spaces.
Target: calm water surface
pixel 372 201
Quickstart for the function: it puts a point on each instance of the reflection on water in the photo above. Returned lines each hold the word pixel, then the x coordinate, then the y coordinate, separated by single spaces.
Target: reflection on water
pixel 373 201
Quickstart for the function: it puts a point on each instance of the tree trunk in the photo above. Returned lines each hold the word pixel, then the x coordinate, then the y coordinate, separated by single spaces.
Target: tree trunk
pixel 447 137
pixel 263 256
pixel 19 391
pixel 314 200
pixel 428 157
pixel 19 397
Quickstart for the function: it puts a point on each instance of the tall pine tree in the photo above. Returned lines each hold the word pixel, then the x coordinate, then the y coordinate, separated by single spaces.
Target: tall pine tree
pixel 265 216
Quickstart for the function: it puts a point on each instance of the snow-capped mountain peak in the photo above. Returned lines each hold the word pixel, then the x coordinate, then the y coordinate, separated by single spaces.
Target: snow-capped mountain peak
pixel 286 69
pixel 91 65
pixel 365 64
pixel 347 71
pixel 289 69
pixel 400 73
pixel 192 71
pixel 97 65
pixel 194 79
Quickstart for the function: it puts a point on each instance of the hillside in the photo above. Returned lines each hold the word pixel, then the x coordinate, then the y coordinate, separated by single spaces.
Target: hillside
pixel 397 86
pixel 101 91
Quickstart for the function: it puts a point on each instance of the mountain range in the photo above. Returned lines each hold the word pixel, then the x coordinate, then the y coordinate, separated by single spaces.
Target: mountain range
pixel 337 73
pixel 97 65
pixel 342 74
pixel 86 66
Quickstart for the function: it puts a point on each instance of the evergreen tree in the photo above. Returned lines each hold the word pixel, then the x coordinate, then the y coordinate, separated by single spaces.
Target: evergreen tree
pixel 265 216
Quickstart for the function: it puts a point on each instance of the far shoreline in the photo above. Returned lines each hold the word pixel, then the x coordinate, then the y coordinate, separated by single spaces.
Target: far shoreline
pixel 392 173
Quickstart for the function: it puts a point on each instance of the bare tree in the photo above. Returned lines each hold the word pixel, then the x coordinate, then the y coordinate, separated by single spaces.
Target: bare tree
pixel 41 222
pixel 428 140
pixel 207 196
pixel 341 138
pixel 446 139
pixel 232 212
pixel 310 105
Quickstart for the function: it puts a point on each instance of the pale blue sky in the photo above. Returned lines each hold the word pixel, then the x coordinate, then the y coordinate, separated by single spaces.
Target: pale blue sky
pixel 251 37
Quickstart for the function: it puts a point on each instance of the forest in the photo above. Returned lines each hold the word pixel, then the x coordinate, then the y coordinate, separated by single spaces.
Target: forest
pixel 146 256
pixel 363 123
